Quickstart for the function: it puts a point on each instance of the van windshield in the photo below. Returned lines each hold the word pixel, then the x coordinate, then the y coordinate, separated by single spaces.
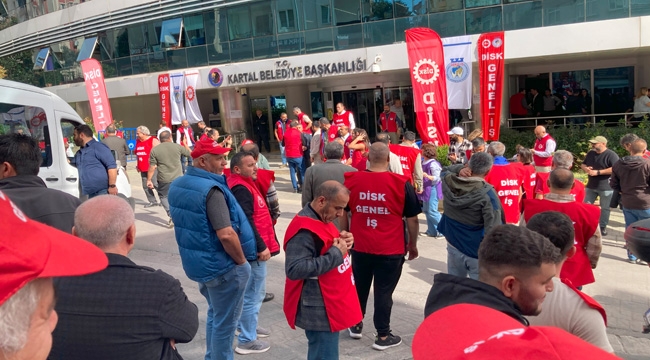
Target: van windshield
pixel 28 120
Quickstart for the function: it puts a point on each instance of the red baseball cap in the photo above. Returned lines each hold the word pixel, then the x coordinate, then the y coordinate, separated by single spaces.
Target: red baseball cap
pixel 208 146
pixel 247 141
pixel 30 250
pixel 467 331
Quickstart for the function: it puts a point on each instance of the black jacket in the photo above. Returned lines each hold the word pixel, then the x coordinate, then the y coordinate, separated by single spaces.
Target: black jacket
pixel 450 290
pixel 48 206
pixel 631 177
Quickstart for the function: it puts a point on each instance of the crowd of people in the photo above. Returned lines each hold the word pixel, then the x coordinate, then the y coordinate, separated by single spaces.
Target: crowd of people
pixel 522 234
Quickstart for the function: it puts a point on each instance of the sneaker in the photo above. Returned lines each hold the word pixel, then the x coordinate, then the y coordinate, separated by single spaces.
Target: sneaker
pixel 641 262
pixel 268 297
pixel 262 332
pixel 253 347
pixel 603 231
pixel 355 331
pixel 151 204
pixel 389 342
pixel 170 224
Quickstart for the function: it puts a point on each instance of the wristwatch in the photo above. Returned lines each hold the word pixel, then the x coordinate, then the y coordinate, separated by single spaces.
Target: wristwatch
pixel 112 186
pixel 598 172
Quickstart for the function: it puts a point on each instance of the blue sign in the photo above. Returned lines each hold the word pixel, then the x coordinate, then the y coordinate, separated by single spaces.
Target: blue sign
pixel 131 144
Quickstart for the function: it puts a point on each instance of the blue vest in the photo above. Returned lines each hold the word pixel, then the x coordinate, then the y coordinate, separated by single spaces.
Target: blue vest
pixel 202 254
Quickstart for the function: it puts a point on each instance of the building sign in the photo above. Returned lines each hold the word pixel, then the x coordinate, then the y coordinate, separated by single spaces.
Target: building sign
pixel 490 65
pixel 163 95
pixel 97 96
pixel 283 70
pixel 215 77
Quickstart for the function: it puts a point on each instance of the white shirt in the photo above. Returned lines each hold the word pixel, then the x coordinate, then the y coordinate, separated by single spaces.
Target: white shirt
pixel 548 151
pixel 640 105
pixel 164 128
pixel 190 141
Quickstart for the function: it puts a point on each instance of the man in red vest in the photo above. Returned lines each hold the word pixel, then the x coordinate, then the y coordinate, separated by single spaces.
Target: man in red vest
pixel 143 145
pixel 410 158
pixel 241 181
pixel 343 117
pixel 543 150
pixel 294 152
pixel 389 122
pixel 507 181
pixel 281 127
pixel 566 307
pixel 518 105
pixel 379 202
pixel 578 268
pixel 562 159
pixel 317 265
pixel 305 121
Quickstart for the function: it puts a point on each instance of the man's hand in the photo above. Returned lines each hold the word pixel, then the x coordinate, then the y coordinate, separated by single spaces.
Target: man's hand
pixel 341 245
pixel 348 238
pixel 465 172
pixel 592 172
pixel 172 342
pixel 264 255
pixel 419 191
pixel 150 184
pixel 452 157
pixel 412 251
pixel 112 190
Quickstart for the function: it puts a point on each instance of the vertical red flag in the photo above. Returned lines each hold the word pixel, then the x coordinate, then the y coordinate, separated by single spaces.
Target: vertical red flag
pixel 163 94
pixel 97 96
pixel 427 66
pixel 490 64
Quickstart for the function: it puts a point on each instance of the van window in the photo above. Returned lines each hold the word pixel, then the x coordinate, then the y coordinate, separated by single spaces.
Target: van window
pixel 28 120
pixel 67 129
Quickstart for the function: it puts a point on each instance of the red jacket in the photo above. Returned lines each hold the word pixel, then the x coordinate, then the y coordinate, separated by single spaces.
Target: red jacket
pixel 293 143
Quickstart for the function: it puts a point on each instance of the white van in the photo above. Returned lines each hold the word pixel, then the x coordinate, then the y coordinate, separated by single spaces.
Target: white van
pixel 50 120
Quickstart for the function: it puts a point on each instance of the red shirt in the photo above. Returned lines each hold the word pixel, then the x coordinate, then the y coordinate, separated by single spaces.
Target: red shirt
pixel 293 143
pixel 529 177
pixel 507 183
pixel 516 106
pixel 142 151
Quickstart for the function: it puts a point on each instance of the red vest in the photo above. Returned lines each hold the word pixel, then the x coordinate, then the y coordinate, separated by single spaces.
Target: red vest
pixel 529 178
pixel 540 145
pixel 190 134
pixel 337 285
pixel 347 153
pixel 263 182
pixel 507 183
pixel 280 126
pixel 585 221
pixel 293 143
pixel 377 203
pixel 332 134
pixel 587 299
pixel 358 160
pixel 407 156
pixel 305 127
pixel 388 123
pixel 541 187
pixel 142 151
pixel 261 215
pixel 341 119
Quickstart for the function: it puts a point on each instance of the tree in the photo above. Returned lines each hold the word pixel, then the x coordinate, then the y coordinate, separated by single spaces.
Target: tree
pixel 19 67
pixel 3 72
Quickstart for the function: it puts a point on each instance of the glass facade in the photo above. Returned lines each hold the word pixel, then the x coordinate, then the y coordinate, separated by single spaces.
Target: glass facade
pixel 276 28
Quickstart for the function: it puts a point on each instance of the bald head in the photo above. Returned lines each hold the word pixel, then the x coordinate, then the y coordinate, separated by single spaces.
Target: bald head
pixel 379 154
pixel 560 180
pixel 251 148
pixel 330 189
pixel 104 221
pixel 540 131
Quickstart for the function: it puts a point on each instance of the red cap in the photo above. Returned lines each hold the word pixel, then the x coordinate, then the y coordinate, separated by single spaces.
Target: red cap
pixel 247 141
pixel 208 146
pixel 30 250
pixel 468 331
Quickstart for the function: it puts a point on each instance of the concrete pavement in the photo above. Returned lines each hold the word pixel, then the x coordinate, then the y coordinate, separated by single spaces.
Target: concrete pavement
pixel 623 288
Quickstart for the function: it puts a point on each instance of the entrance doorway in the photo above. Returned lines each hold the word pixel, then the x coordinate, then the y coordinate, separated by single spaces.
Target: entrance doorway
pixel 366 105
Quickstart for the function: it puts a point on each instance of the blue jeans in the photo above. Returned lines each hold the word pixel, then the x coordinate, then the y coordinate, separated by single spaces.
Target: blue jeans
pixel 430 209
pixel 284 157
pixel 189 160
pixel 295 168
pixel 253 296
pixel 100 192
pixel 459 264
pixel 605 199
pixel 631 216
pixel 225 296
pixel 322 345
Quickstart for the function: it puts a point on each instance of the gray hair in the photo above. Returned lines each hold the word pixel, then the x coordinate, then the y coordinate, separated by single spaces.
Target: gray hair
pixel 383 137
pixel 324 121
pixel 480 163
pixel 165 136
pixel 143 129
pixel 379 153
pixel 294 123
pixel 409 136
pixel 15 316
pixel 295 108
pixel 110 129
pixel 496 148
pixel 563 159
pixel 628 139
pixel 333 150
pixel 103 220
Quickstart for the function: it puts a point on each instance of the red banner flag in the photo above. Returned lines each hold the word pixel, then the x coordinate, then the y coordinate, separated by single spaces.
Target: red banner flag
pixel 97 96
pixel 490 65
pixel 427 66
pixel 163 93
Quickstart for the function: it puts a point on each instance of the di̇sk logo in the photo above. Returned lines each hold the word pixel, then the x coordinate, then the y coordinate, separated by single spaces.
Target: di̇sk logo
pixel 189 93
pixel 457 70
pixel 485 43
pixel 426 71
pixel 163 80
pixel 497 42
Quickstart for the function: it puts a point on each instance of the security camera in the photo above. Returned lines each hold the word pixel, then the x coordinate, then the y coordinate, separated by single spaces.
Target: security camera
pixel 375 68
pixel 243 91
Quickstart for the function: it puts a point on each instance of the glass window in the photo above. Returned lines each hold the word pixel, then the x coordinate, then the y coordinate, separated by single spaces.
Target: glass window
pixel 218 53
pixel 194 30
pixel 158 61
pixel 318 13
pixel 291 44
pixel 606 9
pixel 613 90
pixel 170 33
pixel 114 43
pixel 123 66
pixel 377 10
pixel 28 120
pixel 138 38
pixel 265 47
pixel 87 48
pixel 444 5
pixel 319 40
pixel 348 37
pixel 239 22
pixel 639 7
pixel 448 23
pixel 177 59
pixel 262 18
pixel 109 68
pixel 410 7
pixel 241 50
pixel 317 105
pixel 479 3
pixel 40 63
pixel 557 12
pixel 575 80
pixel 216 29
pixel 197 56
pixel 140 64
pixel 379 33
pixel 522 16
pixel 403 24
pixel 483 20
pixel 287 11
pixel 347 12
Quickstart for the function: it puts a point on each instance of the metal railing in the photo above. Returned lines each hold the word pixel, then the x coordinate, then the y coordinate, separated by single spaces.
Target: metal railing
pixel 578 119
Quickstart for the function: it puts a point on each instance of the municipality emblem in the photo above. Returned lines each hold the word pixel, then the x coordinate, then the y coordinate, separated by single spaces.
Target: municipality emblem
pixel 178 94
pixel 457 70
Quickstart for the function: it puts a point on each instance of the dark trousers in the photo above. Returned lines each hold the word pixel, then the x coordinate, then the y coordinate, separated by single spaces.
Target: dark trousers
pixel 151 197
pixel 386 271
pixel 322 345
pixel 263 138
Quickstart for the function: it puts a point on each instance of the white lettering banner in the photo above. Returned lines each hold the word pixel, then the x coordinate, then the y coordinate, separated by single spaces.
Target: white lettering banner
pixel 458 68
pixel 192 110
pixel 178 108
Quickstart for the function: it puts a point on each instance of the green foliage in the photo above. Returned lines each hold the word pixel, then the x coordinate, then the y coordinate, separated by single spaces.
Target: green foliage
pixel 19 67
pixel 442 155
